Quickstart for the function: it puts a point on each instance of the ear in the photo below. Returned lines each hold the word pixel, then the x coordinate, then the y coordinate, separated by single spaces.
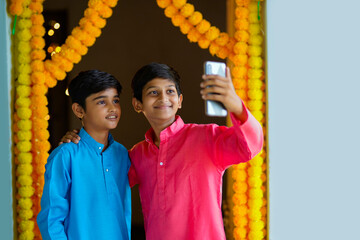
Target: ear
pixel 180 100
pixel 137 105
pixel 78 110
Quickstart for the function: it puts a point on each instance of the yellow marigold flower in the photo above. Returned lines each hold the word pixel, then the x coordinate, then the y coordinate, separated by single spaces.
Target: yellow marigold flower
pixel 25 214
pixel 163 3
pixel 24 125
pixel 254 171
pixel 187 10
pixel 37 43
pixel 241 35
pixel 195 18
pixel 170 11
pixel 37 19
pixel 36 7
pixel 23 91
pixel 255 62
pixel 258 116
pixel 214 48
pixel 257 160
pixel 255 40
pixel 24 47
pixel 254 215
pixel 222 39
pixel 24 23
pixel 26 235
pixel 255 73
pixel 24 113
pixel 37 30
pixel 254 28
pixel 203 26
pixel 253 7
pixel 185 27
pixel 26 13
pixel 254 50
pixel 239 198
pixel 212 33
pixel 24 169
pixel 24 158
pixel 256 193
pixel 179 3
pixel 23 102
pixel 255 105
pixel 240 187
pixel 39 89
pixel 24 135
pixel 240 222
pixel 38 54
pixel 177 20
pixel 255 204
pixel 254 182
pixel 25 180
pixel 38 77
pixel 24 34
pixel 24 58
pixel 26 225
pixel 24 146
pixel 203 42
pixel 240 232
pixel 241 12
pixel 193 35
pixel 253 17
pixel 111 3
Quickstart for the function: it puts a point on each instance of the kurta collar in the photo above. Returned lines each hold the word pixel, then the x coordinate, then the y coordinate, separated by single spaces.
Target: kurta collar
pixel 175 127
pixel 98 147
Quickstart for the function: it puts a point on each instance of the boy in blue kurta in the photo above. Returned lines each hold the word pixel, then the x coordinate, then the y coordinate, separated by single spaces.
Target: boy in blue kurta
pixel 86 193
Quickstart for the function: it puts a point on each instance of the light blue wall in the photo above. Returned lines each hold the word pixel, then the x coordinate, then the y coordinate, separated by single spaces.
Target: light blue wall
pixel 6 209
pixel 313 51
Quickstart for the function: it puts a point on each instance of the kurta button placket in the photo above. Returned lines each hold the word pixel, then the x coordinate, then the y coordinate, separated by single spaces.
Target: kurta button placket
pixel 161 172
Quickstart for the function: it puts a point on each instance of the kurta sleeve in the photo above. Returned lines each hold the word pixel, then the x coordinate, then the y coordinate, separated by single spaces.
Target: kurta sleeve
pixel 133 179
pixel 55 198
pixel 239 143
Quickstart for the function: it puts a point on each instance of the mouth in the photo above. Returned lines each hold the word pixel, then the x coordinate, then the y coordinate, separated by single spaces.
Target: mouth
pixel 163 107
pixel 112 117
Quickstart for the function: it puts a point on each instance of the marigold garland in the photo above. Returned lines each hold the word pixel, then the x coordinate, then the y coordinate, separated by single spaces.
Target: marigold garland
pixel 34 77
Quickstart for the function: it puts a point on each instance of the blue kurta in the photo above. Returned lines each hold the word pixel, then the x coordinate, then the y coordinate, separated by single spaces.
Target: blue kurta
pixel 86 193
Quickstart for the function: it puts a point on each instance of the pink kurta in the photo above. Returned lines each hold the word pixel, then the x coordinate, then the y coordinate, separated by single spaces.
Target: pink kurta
pixel 180 183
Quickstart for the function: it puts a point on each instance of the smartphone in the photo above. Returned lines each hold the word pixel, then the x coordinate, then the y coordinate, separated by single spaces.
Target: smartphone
pixel 214 108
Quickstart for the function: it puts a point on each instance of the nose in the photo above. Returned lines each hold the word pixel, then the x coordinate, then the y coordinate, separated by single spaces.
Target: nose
pixel 163 97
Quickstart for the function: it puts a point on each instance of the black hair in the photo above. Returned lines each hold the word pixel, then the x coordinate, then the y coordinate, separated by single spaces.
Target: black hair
pixel 151 71
pixel 90 82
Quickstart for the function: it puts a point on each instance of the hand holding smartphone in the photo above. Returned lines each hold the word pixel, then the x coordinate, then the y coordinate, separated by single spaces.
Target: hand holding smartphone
pixel 214 108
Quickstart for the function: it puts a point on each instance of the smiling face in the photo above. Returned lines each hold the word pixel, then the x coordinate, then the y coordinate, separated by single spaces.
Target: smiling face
pixel 160 101
pixel 102 111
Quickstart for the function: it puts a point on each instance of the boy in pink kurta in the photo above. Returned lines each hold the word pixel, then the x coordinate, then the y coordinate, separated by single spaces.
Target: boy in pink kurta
pixel 179 167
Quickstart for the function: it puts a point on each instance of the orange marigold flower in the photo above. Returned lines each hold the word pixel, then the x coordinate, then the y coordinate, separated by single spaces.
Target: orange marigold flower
pixel 177 20
pixel 62 62
pixel 222 39
pixel 38 54
pixel 240 59
pixel 193 35
pixel 38 102
pixel 42 146
pixel 203 26
pixel 195 18
pixel 239 72
pixel 37 66
pixel 179 3
pixel 244 3
pixel 241 48
pixel 242 12
pixel 76 45
pixel 242 36
pixel 89 28
pixel 187 10
pixel 40 123
pixel 214 48
pixel 170 11
pixel 42 134
pixel 163 3
pixel 36 7
pixel 37 42
pixel 212 33
pixel 54 70
pixel 240 232
pixel 185 27
pixel 37 30
pixel 110 3
pixel 223 53
pixel 37 19
pixel 241 24
pixel 203 42
pixel 16 8
pixel 38 77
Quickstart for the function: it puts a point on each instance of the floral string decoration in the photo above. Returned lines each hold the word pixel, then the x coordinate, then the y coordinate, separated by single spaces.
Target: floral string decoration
pixel 34 76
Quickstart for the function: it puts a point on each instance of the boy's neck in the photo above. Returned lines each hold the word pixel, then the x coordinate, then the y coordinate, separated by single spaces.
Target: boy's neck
pixel 158 128
pixel 99 136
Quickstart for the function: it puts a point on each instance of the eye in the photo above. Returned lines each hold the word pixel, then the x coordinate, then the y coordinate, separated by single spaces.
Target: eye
pixel 171 91
pixel 116 101
pixel 102 102
pixel 152 93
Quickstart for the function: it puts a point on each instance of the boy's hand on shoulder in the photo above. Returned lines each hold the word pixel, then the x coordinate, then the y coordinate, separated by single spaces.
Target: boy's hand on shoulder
pixel 221 89
pixel 70 136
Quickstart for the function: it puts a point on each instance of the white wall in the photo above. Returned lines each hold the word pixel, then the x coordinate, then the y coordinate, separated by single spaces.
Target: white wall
pixel 314 119
pixel 6 209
